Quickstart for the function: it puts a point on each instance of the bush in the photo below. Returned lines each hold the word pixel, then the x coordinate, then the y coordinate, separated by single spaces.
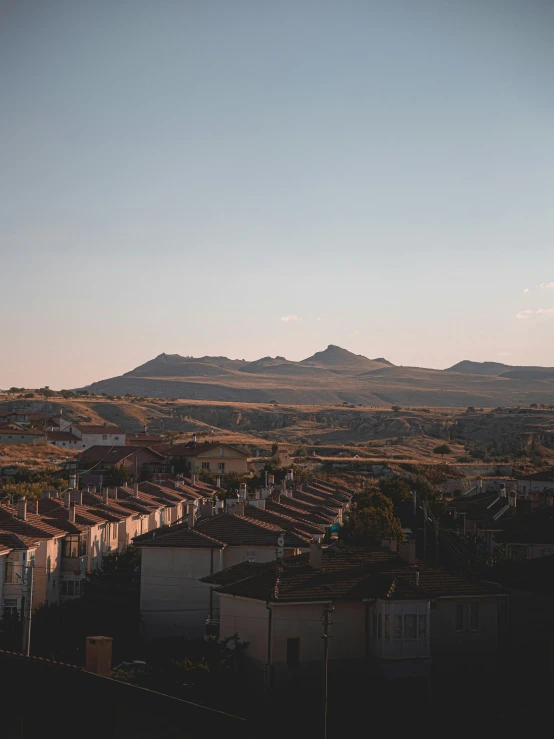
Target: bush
pixel 442 449
pixel 396 408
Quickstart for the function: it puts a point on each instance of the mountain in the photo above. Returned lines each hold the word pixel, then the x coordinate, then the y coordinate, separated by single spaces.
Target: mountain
pixel 479 368
pixel 333 376
pixel 497 369
pixel 341 360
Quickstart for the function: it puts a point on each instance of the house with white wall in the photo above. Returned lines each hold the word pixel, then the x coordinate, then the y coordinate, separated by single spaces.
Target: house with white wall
pixel 387 616
pixel 181 556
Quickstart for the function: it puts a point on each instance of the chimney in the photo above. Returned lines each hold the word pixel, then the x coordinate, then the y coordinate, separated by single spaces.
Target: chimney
pixel 22 509
pixel 99 655
pixel 191 516
pixel 242 490
pixel 73 481
pixel 406 550
pixel 46 495
pixel 290 475
pixel 271 480
pixel 67 500
pixel 34 505
pixel 237 509
pixel 105 495
pixel 112 493
pixel 502 490
pixel 136 490
pixel 72 513
pixel 513 498
pixel 417 578
pixel 194 438
pixel 146 429
pixel 315 555
pixel 76 496
pixel 218 481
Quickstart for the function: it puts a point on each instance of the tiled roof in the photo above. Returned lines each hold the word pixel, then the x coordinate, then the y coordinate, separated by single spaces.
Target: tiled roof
pixel 536 527
pixel 180 537
pixel 87 428
pixel 61 436
pixel 239 531
pixel 112 454
pixel 286 522
pixel 21 432
pixel 308 513
pixel 34 527
pixel 192 449
pixel 348 574
pixel 238 572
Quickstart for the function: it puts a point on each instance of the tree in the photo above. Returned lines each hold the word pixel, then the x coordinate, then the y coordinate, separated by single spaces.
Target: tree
pixel 120 475
pixel 274 449
pixel 46 392
pixel 375 499
pixel 368 526
pixel 22 490
pixel 396 408
pixel 397 489
pixel 442 449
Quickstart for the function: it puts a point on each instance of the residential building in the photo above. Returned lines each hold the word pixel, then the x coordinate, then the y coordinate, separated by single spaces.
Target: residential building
pixel 13 416
pixel 538 488
pixel 387 616
pixel 9 435
pixel 208 456
pixel 103 459
pixel 90 435
pixel 528 535
pixel 173 600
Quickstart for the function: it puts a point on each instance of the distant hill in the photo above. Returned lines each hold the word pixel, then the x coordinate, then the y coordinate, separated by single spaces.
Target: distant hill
pixel 496 369
pixel 333 376
pixel 341 360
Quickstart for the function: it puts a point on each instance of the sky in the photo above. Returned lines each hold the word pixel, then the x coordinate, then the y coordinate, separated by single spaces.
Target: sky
pixel 250 178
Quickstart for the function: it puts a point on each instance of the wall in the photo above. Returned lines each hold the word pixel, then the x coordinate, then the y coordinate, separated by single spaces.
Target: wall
pixel 172 601
pixel 88 440
pixel 13 437
pixel 452 650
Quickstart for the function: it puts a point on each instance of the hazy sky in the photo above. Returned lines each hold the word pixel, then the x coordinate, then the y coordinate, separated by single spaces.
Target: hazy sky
pixel 180 176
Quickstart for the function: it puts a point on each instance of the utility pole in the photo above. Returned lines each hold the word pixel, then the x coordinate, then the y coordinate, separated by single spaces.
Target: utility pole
pixel 327 609
pixel 436 542
pixel 424 530
pixel 29 580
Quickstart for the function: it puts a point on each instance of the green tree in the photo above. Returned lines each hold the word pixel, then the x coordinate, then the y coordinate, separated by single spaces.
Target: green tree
pixel 396 408
pixel 22 489
pixel 46 392
pixel 442 449
pixel 368 526
pixel 120 475
pixel 375 499
pixel 397 489
pixel 274 449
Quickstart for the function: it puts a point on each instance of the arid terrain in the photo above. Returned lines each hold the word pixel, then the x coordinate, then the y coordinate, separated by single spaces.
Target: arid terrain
pixel 332 377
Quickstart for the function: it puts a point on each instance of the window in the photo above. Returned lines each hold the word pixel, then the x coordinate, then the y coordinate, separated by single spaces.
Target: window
pixel 75 546
pixel 221 466
pixel 71 588
pixel 116 438
pixel 397 627
pixel 410 627
pixel 221 452
pixel 205 465
pixel 474 617
pixel 293 654
pixel 251 556
pixel 387 627
pixel 422 628
pixel 12 566
pixel 459 618
pixel 104 437
pixel 10 607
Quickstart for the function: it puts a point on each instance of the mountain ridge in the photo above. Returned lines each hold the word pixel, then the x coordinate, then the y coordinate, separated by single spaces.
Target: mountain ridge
pixel 333 376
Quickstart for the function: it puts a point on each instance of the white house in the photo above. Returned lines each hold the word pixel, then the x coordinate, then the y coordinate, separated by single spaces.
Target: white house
pixel 182 556
pixel 84 436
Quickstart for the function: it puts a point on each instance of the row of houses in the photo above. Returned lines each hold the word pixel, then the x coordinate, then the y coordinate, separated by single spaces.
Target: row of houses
pixel 518 516
pixel 269 570
pixel 64 537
